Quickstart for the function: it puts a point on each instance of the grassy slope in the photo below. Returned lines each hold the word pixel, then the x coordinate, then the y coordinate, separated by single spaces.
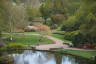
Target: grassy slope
pixel 30 39
pixel 85 54
pixel 61 37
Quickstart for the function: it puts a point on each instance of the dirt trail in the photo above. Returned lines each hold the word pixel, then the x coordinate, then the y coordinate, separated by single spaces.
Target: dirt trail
pixel 57 44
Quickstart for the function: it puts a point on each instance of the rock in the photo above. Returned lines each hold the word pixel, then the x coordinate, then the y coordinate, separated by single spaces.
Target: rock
pixel 33 48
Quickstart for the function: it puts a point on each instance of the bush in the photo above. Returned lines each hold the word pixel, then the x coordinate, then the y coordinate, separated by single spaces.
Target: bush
pixel 75 37
pixel 70 35
pixel 54 26
pixel 2 51
pixel 2 45
pixel 31 29
pixel 42 27
pixel 2 48
pixel 64 28
pixel 87 46
pixel 6 60
pixel 58 18
pixel 15 46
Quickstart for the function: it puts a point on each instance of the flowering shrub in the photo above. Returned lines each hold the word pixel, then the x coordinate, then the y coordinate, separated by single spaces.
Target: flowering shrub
pixel 2 45
pixel 31 29
pixel 22 28
pixel 87 46
pixel 42 27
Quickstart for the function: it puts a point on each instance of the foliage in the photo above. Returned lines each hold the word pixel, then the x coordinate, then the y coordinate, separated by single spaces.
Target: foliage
pixel 50 7
pixel 76 37
pixel 15 46
pixel 85 54
pixel 11 16
pixel 6 60
pixel 84 20
pixel 71 24
pixel 2 45
pixel 70 35
pixel 30 29
pixel 3 16
pixel 57 18
pixel 45 9
pixel 29 39
pixel 62 38
pixel 88 46
pixel 42 27
pixel 32 13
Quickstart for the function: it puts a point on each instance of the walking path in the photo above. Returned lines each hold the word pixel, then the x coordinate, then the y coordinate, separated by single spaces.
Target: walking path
pixel 56 45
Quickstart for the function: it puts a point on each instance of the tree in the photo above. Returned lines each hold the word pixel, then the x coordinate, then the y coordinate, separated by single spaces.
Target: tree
pixel 17 17
pixel 84 21
pixel 57 18
pixel 45 10
pixel 50 8
pixel 11 16
pixel 32 13
pixel 88 28
pixel 3 16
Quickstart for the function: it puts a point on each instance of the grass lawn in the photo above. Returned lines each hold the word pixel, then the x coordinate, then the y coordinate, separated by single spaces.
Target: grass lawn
pixel 85 54
pixel 30 39
pixel 61 37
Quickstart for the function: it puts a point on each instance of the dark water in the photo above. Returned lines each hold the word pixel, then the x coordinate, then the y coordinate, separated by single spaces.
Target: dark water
pixel 37 57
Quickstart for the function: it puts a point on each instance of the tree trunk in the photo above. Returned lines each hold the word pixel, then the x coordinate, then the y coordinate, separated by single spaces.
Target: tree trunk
pixel 0 34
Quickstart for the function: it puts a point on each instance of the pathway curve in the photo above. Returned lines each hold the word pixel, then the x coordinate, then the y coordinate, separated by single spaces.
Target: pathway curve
pixel 57 44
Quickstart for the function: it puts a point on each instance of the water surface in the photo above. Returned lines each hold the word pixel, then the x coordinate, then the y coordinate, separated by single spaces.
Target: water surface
pixel 37 57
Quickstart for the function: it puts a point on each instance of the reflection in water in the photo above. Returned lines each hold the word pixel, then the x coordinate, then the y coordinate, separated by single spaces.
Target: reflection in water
pixel 68 60
pixel 30 57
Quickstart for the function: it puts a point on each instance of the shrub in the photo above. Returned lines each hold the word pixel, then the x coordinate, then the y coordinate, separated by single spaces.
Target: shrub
pixel 87 46
pixel 2 51
pixel 6 60
pixel 64 28
pixel 31 29
pixel 15 46
pixel 75 37
pixel 2 45
pixel 2 48
pixel 42 27
pixel 54 26
pixel 57 18
pixel 70 35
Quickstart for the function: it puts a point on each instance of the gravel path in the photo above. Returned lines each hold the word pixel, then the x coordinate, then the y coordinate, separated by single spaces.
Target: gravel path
pixel 57 44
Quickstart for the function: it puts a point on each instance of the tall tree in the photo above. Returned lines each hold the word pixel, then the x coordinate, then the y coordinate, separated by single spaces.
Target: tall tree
pixel 88 28
pixel 17 16
pixel 4 15
pixel 11 14
pixel 53 7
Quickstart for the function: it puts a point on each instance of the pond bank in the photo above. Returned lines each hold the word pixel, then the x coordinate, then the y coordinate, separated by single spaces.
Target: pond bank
pixel 82 53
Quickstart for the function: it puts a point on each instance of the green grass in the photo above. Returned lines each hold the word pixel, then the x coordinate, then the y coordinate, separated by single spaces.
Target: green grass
pixel 30 39
pixel 61 37
pixel 85 54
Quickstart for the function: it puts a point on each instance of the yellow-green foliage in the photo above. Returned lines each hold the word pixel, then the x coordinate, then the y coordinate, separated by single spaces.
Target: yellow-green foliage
pixel 15 46
pixel 70 35
pixel 6 60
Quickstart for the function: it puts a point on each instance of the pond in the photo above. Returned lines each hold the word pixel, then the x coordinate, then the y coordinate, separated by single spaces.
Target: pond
pixel 38 57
